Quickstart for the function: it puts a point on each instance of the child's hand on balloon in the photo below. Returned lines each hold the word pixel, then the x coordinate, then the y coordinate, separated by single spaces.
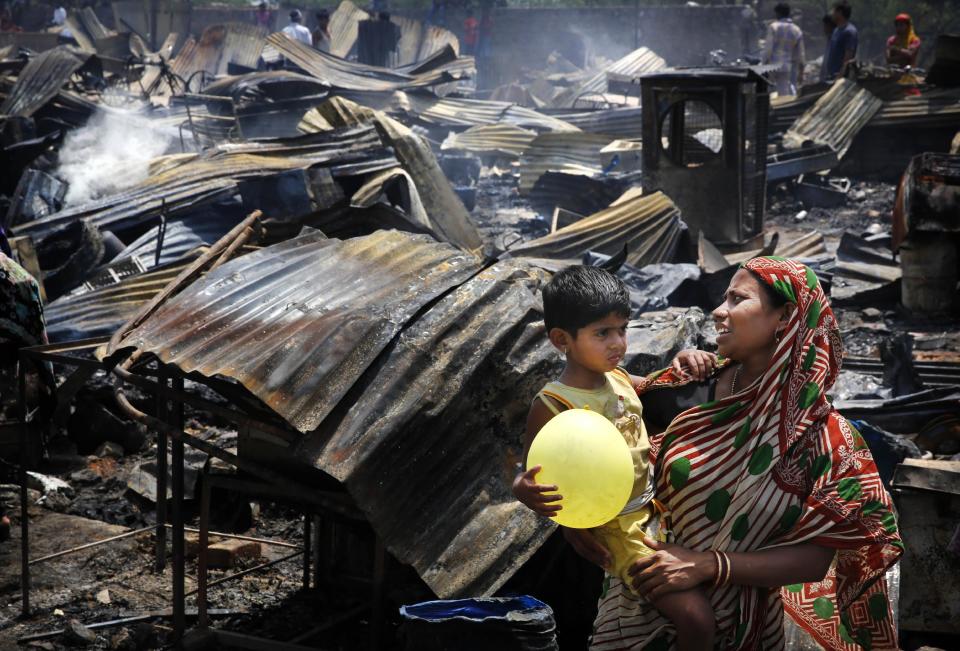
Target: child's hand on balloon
pixel 540 498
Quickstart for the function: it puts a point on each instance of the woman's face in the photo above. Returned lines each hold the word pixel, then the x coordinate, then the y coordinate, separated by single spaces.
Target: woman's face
pixel 901 27
pixel 746 322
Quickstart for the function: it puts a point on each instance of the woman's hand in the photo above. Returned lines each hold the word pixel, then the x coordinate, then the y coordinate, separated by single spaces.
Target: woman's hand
pixel 587 545
pixel 540 498
pixel 671 568
pixel 698 364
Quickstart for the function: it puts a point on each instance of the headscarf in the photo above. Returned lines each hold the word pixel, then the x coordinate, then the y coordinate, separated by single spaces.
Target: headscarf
pixel 775 465
pixel 911 36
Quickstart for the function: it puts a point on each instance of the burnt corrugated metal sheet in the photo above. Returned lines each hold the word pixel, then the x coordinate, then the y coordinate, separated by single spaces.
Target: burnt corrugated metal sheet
pixel 344 27
pixel 649 226
pixel 419 40
pixel 333 335
pixel 458 112
pixel 179 182
pixel 626 122
pixel 87 29
pixel 583 195
pixel 218 47
pixel 101 311
pixel 339 73
pixel 298 322
pixel 934 108
pixel 635 64
pixel 835 119
pixel 570 153
pixel 41 79
pixel 502 139
pixel 449 218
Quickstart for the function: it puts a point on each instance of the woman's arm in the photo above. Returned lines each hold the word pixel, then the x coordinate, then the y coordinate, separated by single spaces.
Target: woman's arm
pixel 674 568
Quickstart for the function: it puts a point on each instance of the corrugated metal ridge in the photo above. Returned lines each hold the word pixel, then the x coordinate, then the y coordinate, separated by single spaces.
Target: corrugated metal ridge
pixel 296 323
pixel 339 73
pixel 633 64
pixel 41 79
pixel 621 122
pixel 102 311
pixel 573 153
pixel 219 46
pixel 835 119
pixel 411 429
pixel 505 139
pixel 648 225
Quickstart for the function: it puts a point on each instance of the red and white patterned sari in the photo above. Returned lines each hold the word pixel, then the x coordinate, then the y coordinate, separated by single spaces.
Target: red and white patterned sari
pixel 770 466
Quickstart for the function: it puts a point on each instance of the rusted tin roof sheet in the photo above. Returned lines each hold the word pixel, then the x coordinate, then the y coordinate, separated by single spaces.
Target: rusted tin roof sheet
pixel 41 79
pixel 835 119
pixel 649 226
pixel 334 336
pixel 298 322
pixel 348 75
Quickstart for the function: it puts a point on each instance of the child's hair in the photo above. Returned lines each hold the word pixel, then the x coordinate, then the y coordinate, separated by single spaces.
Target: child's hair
pixel 580 295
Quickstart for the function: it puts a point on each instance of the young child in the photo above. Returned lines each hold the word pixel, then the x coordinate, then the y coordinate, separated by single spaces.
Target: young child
pixel 586 311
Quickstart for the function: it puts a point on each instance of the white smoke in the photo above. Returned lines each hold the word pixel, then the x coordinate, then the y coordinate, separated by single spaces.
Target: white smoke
pixel 109 154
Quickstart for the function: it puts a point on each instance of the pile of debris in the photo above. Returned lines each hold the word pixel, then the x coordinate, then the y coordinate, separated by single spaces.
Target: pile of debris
pixel 338 267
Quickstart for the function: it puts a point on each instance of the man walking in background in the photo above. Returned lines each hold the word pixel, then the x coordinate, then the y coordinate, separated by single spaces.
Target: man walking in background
pixel 784 49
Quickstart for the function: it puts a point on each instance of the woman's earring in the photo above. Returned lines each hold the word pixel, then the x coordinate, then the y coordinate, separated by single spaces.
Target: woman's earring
pixel 778 336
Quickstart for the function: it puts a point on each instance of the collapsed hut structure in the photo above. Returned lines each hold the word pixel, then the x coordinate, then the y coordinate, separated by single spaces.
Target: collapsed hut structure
pixel 274 274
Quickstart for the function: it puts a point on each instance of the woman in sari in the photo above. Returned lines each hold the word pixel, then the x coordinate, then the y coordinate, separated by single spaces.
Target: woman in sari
pixel 771 497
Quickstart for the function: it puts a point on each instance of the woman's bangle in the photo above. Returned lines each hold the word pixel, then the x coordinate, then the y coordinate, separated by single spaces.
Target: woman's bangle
pixel 723 569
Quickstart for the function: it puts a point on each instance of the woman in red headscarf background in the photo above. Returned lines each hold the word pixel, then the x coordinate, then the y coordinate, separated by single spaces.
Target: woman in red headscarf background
pixel 904 46
pixel 771 498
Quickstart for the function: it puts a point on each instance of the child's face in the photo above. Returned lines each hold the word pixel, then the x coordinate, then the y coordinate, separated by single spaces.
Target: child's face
pixel 601 345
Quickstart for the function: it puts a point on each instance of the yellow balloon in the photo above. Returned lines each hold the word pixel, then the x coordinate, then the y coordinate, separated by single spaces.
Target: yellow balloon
pixel 586 457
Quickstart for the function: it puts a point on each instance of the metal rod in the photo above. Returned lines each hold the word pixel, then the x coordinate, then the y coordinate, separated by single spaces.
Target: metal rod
pixel 97 543
pixel 162 471
pixel 202 551
pixel 255 568
pixel 179 557
pixel 183 278
pixel 234 536
pixel 162 391
pixel 306 551
pixel 24 506
pixel 162 614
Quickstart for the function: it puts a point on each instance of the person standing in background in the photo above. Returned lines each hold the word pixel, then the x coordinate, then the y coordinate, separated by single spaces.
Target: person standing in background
pixel 471 33
pixel 904 46
pixel 296 30
pixel 828 27
pixel 321 35
pixel 263 17
pixel 843 42
pixel 784 49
